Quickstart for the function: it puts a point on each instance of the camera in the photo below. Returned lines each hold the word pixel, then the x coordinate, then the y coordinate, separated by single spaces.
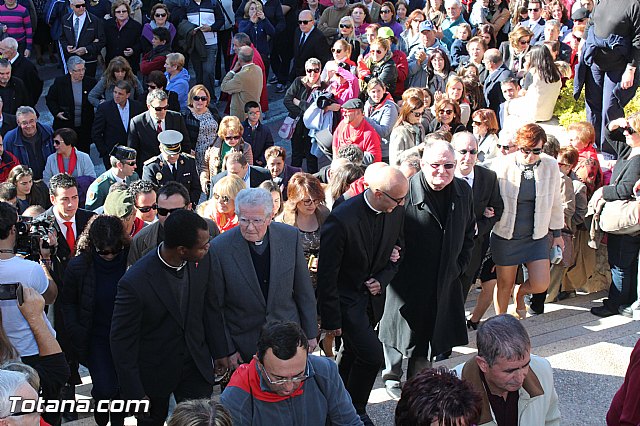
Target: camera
pixel 30 232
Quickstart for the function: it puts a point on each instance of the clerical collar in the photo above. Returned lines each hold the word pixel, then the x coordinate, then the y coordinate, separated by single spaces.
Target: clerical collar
pixel 366 200
pixel 175 268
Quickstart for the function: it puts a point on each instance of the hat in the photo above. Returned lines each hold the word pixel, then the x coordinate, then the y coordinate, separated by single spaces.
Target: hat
pixel 119 203
pixel 426 26
pixel 385 32
pixel 580 14
pixel 170 141
pixel 123 153
pixel 354 103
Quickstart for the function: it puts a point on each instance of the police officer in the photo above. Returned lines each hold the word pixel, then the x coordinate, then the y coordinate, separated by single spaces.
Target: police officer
pixel 123 166
pixel 172 165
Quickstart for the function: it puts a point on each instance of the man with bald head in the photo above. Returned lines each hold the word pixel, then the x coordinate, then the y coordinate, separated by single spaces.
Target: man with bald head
pixel 308 42
pixel 497 73
pixel 424 308
pixel 355 267
pixel 243 82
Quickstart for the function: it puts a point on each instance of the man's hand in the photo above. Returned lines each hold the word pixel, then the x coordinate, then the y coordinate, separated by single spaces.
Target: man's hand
pixel 395 254
pixel 61 116
pixel 627 78
pixel 421 56
pixel 313 343
pixel 237 67
pixel 27 53
pixel 489 212
pixel 33 305
pixel 128 51
pixel 558 241
pixel 374 286
pixel 234 361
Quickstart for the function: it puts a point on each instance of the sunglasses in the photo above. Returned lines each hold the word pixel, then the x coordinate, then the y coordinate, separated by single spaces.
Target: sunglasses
pixel 417 114
pixel 333 50
pixel 160 15
pixel 122 11
pixel 445 111
pixel 161 108
pixel 505 147
pixel 108 252
pixel 377 51
pixel 345 26
pixel 628 129
pixel 80 6
pixel 447 166
pixel 310 70
pixel 222 198
pixel 470 151
pixel 129 163
pixel 303 22
pixel 146 209
pixel 232 138
pixel 385 11
pixel 165 212
pixel 200 98
pixel 152 86
pixel 534 151
pixel 477 123
pixel 523 42
pixel 57 142
pixel 534 9
pixel 309 202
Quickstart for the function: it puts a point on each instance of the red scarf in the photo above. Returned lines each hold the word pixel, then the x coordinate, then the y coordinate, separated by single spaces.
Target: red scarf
pixel 246 377
pixel 72 162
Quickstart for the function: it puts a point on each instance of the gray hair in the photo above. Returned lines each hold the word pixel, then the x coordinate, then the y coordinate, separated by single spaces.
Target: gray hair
pixel 313 61
pixel 10 381
pixel 245 55
pixel 502 336
pixel 10 43
pixel 463 136
pixel 123 85
pixel 73 61
pixel 157 94
pixel 243 39
pixel 448 3
pixel 254 197
pixel 32 375
pixel 549 23
pixel 433 144
pixel 23 110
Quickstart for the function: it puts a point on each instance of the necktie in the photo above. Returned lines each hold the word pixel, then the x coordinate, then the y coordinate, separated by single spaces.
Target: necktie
pixel 174 168
pixel 159 129
pixel 468 180
pixel 302 39
pixel 70 236
pixel 76 29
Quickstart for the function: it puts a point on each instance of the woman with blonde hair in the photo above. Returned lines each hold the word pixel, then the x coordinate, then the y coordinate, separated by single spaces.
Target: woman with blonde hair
pixel 200 119
pixel 118 69
pixel 347 31
pixel 408 131
pixel 379 63
pixel 341 52
pixel 435 12
pixel 229 140
pixel 513 51
pixel 221 208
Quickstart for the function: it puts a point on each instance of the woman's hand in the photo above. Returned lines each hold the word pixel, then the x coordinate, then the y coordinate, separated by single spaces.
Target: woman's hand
pixel 627 78
pixel 618 122
pixel 445 128
pixel 558 241
pixel 437 96
pixel 128 51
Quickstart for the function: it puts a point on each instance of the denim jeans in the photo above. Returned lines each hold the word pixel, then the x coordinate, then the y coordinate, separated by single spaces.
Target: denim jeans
pixel 623 259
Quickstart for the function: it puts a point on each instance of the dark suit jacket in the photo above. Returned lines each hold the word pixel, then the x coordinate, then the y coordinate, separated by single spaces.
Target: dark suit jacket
pixel 60 99
pixel 348 257
pixel 174 103
pixel 91 36
pixel 315 46
pixel 492 90
pixel 15 94
pixel 9 122
pixel 257 175
pixel 186 174
pixel 537 28
pixel 486 193
pixel 290 296
pixel 151 338
pixel 107 130
pixel 119 39
pixel 143 136
pixel 27 72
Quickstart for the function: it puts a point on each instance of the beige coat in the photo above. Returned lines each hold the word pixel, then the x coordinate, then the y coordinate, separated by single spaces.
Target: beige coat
pixel 548 212
pixel 243 86
pixel 535 106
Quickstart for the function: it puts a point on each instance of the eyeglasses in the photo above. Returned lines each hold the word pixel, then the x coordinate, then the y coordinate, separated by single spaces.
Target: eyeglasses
pixel 222 198
pixel 333 50
pixel 505 147
pixel 523 42
pixel 534 151
pixel 377 51
pixel 160 15
pixel 146 209
pixel 417 114
pixel 57 142
pixel 477 123
pixel 385 11
pixel 165 212
pixel 108 252
pixel 470 151
pixel 161 108
pixel 534 9
pixel 628 129
pixel 446 111
pixel 398 201
pixel 315 70
pixel 418 20
pixel 122 11
pixel 80 5
pixel 255 222
pixel 447 166
pixel 303 22
pixel 309 202
pixel 563 164
pixel 152 86
pixel 232 138
pixel 200 98
pixel 296 379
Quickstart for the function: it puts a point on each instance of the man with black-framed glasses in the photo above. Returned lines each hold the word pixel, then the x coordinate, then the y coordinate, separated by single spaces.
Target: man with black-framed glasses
pixel 284 381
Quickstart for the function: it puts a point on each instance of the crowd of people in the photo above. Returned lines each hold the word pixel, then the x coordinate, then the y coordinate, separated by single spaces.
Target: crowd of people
pixel 203 256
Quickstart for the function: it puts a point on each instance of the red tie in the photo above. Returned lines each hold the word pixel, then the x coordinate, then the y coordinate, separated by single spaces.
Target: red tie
pixel 70 237
pixel 159 129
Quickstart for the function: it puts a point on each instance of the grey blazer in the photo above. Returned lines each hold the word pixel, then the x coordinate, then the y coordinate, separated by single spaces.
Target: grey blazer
pixel 244 307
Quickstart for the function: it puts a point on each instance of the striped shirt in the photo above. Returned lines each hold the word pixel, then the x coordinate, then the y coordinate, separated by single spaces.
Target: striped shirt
pixel 18 22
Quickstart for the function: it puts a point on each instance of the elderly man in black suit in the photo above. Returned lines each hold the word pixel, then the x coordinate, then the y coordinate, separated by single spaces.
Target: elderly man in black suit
pixel 7 121
pixel 82 35
pixel 487 202
pixel 236 164
pixel 424 306
pixel 22 68
pixel 166 332
pixel 144 128
pixel 67 95
pixel 308 42
pixel 109 127
pixel 497 73
pixel 12 89
pixel 354 269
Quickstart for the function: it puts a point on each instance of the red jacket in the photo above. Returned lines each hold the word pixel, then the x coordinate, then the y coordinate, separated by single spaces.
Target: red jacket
pixel 400 59
pixel 625 407
pixel 364 136
pixel 7 162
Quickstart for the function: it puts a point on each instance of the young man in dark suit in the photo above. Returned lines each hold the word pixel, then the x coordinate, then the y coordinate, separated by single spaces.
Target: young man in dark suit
pixel 355 266
pixel 497 73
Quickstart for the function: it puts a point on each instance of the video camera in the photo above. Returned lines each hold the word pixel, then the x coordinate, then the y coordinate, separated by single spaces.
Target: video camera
pixel 30 231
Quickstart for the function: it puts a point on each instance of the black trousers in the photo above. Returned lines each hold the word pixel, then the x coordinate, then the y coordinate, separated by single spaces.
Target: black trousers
pixel 361 355
pixel 301 149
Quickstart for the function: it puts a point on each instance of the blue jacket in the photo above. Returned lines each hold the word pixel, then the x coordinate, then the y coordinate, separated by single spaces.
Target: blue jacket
pixel 320 398
pixel 179 84
pixel 260 139
pixel 258 34
pixel 14 144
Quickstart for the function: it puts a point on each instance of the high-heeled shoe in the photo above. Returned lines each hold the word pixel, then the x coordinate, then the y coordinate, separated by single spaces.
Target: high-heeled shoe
pixel 472 325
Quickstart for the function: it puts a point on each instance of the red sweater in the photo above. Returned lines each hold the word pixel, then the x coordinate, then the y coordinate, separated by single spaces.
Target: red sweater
pixel 625 407
pixel 364 136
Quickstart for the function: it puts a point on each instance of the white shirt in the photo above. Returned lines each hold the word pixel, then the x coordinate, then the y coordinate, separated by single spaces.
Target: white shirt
pixel 81 18
pixel 247 177
pixel 155 123
pixel 124 115
pixel 63 227
pixel 468 178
